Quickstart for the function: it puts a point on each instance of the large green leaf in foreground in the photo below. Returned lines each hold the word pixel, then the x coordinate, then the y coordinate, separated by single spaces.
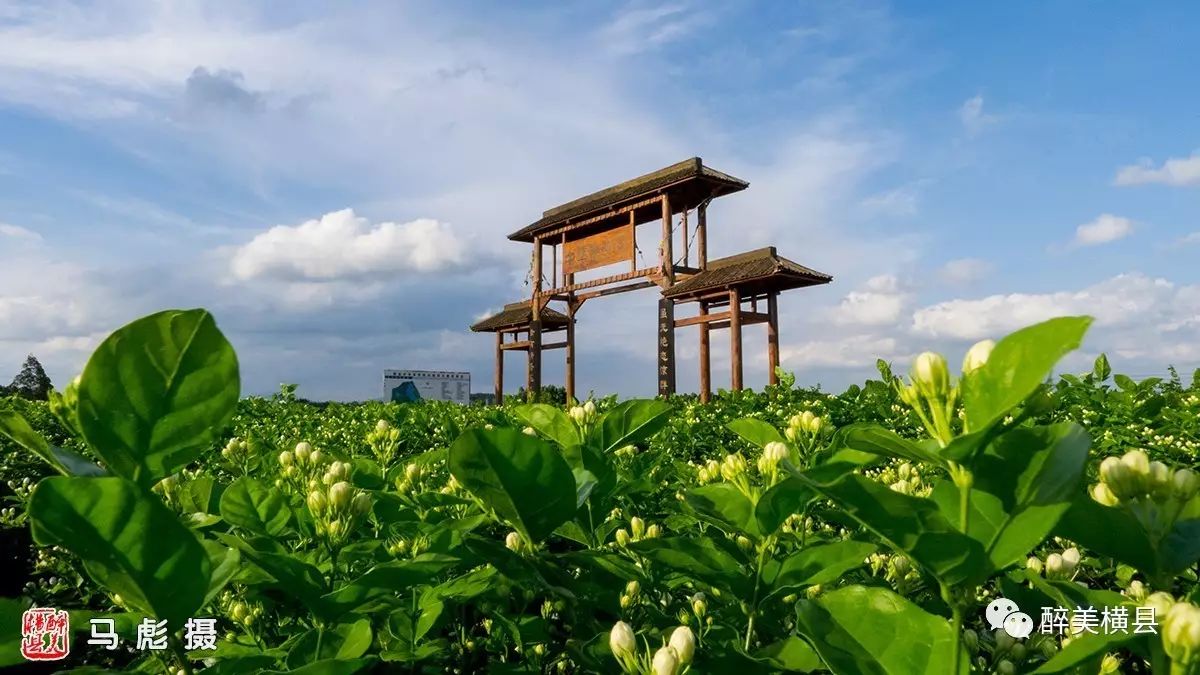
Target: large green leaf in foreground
pixel 129 542
pixel 521 477
pixel 157 393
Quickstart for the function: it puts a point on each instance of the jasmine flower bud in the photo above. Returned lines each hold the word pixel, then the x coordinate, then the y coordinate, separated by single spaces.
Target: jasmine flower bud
pixel 684 643
pixel 1184 484
pixel 1181 634
pixel 621 640
pixel 977 355
pixel 512 541
pixel 930 375
pixel 340 495
pixel 665 662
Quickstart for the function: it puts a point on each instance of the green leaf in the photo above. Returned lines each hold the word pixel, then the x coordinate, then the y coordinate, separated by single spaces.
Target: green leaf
pixel 631 422
pixel 15 428
pixel 814 565
pixel 520 477
pixel 128 542
pixel 1109 531
pixel 791 655
pixel 724 505
pixel 1085 647
pixel 342 642
pixel 700 559
pixel 250 504
pixel 549 421
pixel 1125 382
pixel 755 432
pixel 196 494
pixel 874 631
pixel 779 502
pixel 157 393
pixel 1017 365
pixel 328 667
pixel 225 563
pixel 11 610
pixel 910 524
pixel 877 440
pixel 297 578
pixel 1100 369
pixel 389 580
pixel 1181 547
pixel 1024 483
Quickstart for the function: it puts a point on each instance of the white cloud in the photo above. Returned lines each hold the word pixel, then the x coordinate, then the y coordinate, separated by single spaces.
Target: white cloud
pixel 972 116
pixel 965 270
pixel 1175 171
pixel 341 245
pixel 881 301
pixel 854 351
pixel 1189 239
pixel 16 232
pixel 636 29
pixel 1104 229
pixel 1130 300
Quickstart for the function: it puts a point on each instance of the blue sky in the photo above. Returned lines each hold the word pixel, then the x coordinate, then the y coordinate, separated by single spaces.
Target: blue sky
pixel 336 183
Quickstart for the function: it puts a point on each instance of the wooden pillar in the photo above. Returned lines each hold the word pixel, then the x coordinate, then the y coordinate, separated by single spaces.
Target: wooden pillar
pixel 735 339
pixel 772 338
pixel 705 362
pixel 499 367
pixel 666 347
pixel 667 250
pixel 533 377
pixel 702 235
pixel 569 379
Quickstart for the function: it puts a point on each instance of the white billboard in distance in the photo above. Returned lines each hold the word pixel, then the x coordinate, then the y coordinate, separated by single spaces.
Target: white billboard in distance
pixel 406 386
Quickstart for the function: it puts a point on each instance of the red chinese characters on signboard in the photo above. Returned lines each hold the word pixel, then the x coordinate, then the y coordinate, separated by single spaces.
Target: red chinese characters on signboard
pixel 45 634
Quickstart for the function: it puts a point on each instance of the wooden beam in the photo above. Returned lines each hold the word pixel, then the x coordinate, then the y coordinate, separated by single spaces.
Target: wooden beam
pixel 702 235
pixel 735 340
pixel 772 338
pixel 705 374
pixel 603 216
pixel 499 368
pixel 604 281
pixel 581 297
pixel 526 345
pixel 747 319
pixel 704 317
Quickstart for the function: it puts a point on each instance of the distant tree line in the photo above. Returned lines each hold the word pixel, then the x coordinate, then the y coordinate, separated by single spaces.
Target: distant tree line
pixel 31 383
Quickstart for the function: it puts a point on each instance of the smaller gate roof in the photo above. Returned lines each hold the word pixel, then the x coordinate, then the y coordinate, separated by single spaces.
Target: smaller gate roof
pixel 761 270
pixel 518 315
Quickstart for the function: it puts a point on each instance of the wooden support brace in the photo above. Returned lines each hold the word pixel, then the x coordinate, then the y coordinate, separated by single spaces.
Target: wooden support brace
pixel 735 340
pixel 705 374
pixel 499 383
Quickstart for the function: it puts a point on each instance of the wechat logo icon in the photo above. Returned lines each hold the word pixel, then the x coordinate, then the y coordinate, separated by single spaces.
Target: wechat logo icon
pixel 1003 614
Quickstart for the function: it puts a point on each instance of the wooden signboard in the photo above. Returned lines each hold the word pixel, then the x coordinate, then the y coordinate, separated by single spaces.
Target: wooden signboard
pixel 666 347
pixel 598 250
